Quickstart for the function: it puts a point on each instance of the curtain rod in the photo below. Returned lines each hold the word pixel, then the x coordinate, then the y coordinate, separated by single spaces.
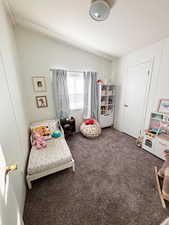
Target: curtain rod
pixel 71 71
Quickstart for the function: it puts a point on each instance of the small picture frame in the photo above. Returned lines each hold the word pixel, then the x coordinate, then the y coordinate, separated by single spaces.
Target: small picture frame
pixel 41 101
pixel 39 83
pixel 164 106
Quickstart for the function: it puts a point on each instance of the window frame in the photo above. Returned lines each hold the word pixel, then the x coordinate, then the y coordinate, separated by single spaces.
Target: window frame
pixel 74 74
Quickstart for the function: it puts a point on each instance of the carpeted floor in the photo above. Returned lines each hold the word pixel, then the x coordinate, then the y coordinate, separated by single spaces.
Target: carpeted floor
pixel 113 185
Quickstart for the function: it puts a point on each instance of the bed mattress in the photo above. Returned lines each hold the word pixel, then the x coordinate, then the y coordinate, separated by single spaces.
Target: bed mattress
pixel 55 154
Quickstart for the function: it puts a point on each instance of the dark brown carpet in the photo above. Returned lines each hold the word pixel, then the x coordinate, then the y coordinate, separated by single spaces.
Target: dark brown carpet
pixel 113 185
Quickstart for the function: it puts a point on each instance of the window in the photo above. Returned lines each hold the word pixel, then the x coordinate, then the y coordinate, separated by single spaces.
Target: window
pixel 75 90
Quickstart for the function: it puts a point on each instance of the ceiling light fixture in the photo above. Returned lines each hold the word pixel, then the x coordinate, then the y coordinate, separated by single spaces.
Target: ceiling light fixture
pixel 99 10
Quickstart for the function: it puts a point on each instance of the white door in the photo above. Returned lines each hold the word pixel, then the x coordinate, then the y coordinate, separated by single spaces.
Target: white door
pixel 136 95
pixel 9 209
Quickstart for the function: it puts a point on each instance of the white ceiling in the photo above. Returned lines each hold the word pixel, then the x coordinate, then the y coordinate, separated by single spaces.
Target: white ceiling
pixel 132 24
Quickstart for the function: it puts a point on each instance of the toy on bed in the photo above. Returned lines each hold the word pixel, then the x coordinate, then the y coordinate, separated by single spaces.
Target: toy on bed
pixel 164 174
pixel 38 140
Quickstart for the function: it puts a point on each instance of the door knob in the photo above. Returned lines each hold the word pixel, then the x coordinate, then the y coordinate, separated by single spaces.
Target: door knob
pixel 125 105
pixel 10 168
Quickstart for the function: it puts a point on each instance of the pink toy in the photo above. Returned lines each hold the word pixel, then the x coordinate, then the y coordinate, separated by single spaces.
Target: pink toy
pixel 38 141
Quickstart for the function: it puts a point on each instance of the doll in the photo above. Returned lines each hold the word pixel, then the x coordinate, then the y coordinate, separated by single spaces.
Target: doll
pixel 38 141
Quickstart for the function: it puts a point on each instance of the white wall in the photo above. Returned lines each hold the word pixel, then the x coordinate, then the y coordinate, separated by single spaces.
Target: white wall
pixel 159 53
pixel 15 139
pixel 39 53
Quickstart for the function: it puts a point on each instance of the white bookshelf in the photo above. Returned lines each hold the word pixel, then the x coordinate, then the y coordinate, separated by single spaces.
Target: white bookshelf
pixel 107 94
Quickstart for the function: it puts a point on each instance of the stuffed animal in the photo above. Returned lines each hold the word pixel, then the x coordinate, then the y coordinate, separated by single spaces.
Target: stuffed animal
pixel 42 130
pixel 38 141
pixel 139 141
pixel 164 173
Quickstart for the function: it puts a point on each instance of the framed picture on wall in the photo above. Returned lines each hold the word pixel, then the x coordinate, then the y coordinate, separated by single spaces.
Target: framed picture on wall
pixel 164 106
pixel 41 102
pixel 39 83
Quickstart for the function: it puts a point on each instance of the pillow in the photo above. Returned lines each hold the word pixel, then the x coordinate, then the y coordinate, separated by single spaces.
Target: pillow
pixel 89 122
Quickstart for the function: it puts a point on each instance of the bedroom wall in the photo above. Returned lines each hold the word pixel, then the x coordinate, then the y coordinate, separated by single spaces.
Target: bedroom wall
pixel 39 53
pixel 13 136
pixel 159 53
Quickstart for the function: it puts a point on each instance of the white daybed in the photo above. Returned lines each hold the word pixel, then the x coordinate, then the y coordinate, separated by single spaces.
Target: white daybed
pixel 55 157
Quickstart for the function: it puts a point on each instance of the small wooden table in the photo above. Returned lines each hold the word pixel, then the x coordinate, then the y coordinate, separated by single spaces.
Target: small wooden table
pixel 69 126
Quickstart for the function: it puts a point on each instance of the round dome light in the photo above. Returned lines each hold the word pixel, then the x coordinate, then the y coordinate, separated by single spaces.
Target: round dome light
pixel 99 10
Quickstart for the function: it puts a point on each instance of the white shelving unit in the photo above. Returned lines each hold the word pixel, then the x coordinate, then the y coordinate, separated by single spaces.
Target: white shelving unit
pixel 157 143
pixel 107 95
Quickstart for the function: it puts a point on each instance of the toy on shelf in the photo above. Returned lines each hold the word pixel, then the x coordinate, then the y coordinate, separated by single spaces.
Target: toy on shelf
pixel 156 131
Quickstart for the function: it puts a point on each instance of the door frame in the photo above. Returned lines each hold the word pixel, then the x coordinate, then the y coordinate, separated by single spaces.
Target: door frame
pixel 148 88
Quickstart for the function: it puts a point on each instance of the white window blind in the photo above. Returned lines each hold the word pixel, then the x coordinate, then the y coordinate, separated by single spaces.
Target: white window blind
pixel 76 90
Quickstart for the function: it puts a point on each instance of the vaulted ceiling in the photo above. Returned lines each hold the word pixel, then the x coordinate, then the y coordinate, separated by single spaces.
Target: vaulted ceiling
pixel 132 24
